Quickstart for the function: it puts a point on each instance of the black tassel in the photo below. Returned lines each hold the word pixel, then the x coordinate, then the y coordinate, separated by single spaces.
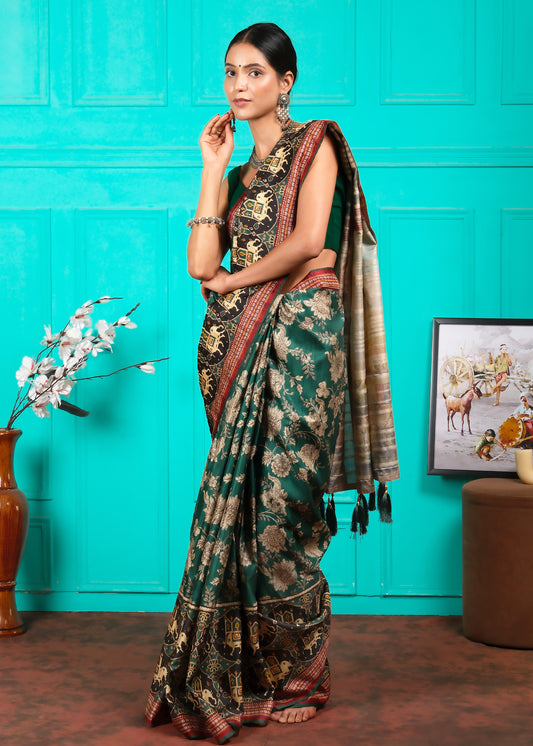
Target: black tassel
pixel 372 501
pixel 384 504
pixel 381 492
pixel 362 513
pixel 331 518
pixel 353 527
pixel 322 510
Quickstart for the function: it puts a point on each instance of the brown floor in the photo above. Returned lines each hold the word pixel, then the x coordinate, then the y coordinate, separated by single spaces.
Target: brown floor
pixel 82 678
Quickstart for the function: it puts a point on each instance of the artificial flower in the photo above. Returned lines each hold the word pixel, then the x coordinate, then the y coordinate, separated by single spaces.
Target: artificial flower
pixel 25 370
pixel 106 332
pixel 98 347
pixel 68 340
pixel 81 318
pixel 41 408
pixel 46 365
pixel 147 367
pixel 127 322
pixel 48 338
pixel 59 389
pixel 83 349
pixel 40 384
pixel 63 387
pixel 70 364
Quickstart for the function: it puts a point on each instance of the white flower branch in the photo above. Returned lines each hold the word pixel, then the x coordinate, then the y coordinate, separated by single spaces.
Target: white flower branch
pixel 43 381
pixel 141 366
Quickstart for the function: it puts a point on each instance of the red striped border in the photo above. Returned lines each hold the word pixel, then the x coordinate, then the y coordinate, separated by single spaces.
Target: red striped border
pixel 317 278
pixel 300 165
pixel 250 321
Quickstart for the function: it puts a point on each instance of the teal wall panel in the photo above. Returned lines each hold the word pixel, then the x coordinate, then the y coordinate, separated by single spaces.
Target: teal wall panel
pixel 119 53
pixel 24 39
pixel 25 255
pixel 419 244
pixel 517 86
pixel 36 571
pixel 122 546
pixel 517 231
pixel 102 105
pixel 424 62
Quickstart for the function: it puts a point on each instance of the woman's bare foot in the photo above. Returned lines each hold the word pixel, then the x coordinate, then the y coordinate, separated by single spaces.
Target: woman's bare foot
pixel 293 714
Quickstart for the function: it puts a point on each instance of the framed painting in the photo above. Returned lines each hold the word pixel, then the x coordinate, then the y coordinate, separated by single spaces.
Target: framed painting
pixel 481 405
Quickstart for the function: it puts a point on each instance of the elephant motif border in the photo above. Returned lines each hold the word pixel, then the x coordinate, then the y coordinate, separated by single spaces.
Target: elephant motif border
pixel 481 396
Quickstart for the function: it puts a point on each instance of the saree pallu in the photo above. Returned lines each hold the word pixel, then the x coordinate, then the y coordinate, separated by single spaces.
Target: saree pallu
pixel 249 632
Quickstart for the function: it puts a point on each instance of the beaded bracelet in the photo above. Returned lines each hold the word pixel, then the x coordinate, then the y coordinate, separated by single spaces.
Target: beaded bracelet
pixel 212 221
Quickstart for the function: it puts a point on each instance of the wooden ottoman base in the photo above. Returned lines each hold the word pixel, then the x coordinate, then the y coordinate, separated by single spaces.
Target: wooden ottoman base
pixel 498 562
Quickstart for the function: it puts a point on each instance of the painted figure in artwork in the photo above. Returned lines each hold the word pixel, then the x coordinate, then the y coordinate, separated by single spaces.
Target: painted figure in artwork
pixel 524 412
pixel 502 365
pixel 486 443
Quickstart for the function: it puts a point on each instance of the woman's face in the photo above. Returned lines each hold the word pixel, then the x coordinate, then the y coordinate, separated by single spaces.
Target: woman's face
pixel 251 84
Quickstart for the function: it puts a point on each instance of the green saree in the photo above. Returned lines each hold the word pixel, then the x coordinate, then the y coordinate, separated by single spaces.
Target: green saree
pixel 249 632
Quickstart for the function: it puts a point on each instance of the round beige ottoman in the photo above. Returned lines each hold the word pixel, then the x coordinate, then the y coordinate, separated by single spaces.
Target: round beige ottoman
pixel 498 562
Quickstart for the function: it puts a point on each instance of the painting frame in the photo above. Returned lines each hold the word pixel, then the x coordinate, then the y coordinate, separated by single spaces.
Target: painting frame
pixel 465 352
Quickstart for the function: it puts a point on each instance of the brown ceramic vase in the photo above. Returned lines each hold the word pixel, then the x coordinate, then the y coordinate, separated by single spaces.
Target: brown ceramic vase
pixel 14 516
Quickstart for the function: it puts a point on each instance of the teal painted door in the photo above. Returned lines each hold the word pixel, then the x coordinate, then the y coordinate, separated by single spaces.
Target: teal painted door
pixel 102 105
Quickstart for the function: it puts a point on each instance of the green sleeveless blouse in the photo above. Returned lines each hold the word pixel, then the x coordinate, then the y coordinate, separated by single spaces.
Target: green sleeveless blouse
pixel 334 231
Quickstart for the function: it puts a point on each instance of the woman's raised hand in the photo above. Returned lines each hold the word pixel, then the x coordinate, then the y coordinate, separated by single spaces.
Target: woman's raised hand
pixel 216 141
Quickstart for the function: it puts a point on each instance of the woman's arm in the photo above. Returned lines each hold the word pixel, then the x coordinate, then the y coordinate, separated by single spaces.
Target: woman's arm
pixel 207 242
pixel 307 239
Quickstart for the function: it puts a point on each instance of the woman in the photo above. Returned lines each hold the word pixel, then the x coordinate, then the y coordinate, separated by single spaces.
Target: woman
pixel 247 641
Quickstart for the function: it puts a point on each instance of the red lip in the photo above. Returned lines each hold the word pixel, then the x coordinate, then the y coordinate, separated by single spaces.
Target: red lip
pixel 241 101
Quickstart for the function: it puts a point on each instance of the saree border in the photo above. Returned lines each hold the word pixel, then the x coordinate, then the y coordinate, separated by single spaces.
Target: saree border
pixel 307 150
pixel 249 323
pixel 322 278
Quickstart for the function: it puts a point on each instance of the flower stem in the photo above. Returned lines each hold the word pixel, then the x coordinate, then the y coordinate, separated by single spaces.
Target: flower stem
pixel 136 365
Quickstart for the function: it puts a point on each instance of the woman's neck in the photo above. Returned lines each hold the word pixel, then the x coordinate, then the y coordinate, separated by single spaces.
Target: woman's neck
pixel 266 133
